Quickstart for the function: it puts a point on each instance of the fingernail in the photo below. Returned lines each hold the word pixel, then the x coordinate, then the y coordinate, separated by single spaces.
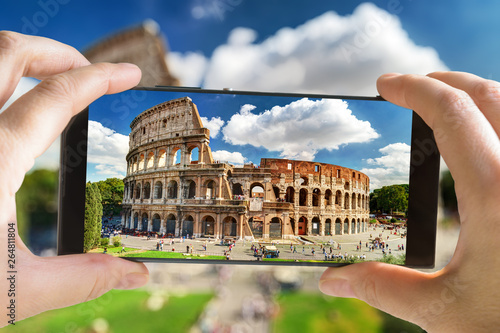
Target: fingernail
pixel 389 75
pixel 336 287
pixel 132 281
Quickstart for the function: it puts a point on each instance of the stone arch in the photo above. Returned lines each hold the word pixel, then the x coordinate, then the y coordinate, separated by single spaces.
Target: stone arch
pixel 170 225
pixel 359 200
pixel 316 194
pixel 141 162
pixel 237 189
pixel 302 225
pixel 358 226
pixel 162 158
pixel 134 164
pixel 257 227
pixel 211 189
pixel 190 190
pixel 353 204
pixel 303 197
pixel 131 191
pixel 275 228
pixel 138 191
pixel 316 226
pixel 175 156
pixel 304 180
pixel 144 222
pixel 193 155
pixel 158 191
pixel 156 223
pixel 187 227
pixel 150 161
pixel 136 221
pixel 346 201
pixel 338 227
pixel 353 226
pixel 338 198
pixel 328 227
pixel 346 226
pixel 147 190
pixel 276 191
pixel 290 194
pixel 229 226
pixel 172 189
pixel 257 190
pixel 208 225
pixel 346 186
pixel 328 197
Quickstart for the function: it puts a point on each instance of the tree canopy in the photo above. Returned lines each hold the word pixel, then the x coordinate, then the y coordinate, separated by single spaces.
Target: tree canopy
pixel 389 199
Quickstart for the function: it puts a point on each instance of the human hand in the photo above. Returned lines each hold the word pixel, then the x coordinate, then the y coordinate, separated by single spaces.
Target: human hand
pixel 464 112
pixel 27 128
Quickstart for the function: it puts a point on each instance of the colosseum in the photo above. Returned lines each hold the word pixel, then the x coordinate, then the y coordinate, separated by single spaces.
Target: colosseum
pixel 170 193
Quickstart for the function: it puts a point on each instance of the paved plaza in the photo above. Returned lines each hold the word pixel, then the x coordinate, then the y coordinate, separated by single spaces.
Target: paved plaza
pixel 297 249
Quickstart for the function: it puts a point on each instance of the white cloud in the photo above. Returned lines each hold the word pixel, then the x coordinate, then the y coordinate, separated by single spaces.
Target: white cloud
pixel 214 125
pixel 393 167
pixel 226 156
pixel 298 130
pixel 189 68
pixel 328 54
pixel 107 149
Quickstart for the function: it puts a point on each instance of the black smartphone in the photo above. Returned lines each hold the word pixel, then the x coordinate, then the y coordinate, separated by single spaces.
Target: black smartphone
pixel 175 174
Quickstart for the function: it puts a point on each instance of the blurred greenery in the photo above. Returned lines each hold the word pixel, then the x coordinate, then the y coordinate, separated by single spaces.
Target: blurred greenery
pixel 314 312
pixel 93 218
pixel 170 255
pixel 112 196
pixel 389 199
pixel 36 201
pixel 447 187
pixel 123 311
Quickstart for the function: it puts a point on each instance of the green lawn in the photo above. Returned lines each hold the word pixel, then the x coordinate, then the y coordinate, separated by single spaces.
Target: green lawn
pixel 124 311
pixel 113 249
pixel 170 255
pixel 314 312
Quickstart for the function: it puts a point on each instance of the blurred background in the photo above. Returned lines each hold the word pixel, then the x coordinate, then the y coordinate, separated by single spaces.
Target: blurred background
pixel 334 47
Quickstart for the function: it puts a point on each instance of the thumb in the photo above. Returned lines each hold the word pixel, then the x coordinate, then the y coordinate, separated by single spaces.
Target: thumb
pixel 56 282
pixel 397 290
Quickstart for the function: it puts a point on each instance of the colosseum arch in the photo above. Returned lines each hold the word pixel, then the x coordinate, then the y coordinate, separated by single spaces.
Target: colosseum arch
pixel 353 205
pixel 328 227
pixel 257 190
pixel 193 155
pixel 190 189
pixel 257 227
pixel 141 162
pixel 302 225
pixel 162 158
pixel 135 164
pixel 170 225
pixel 353 226
pixel 316 226
pixel 229 226
pixel 275 228
pixel 138 191
pixel 338 198
pixel 208 225
pixel 136 221
pixel 131 191
pixel 147 190
pixel 358 228
pixel 346 186
pixel 316 195
pixel 144 222
pixel 346 226
pixel 187 228
pixel 276 191
pixel 237 189
pixel 328 197
pixel 338 227
pixel 172 189
pixel 346 201
pixel 304 181
pixel 158 191
pixel 175 156
pixel 290 194
pixel 359 200
pixel 211 189
pixel 150 162
pixel 303 197
pixel 156 223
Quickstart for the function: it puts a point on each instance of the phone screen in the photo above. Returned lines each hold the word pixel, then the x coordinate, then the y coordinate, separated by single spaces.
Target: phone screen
pixel 183 175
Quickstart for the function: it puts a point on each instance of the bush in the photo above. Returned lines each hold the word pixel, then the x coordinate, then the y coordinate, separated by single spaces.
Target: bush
pixel 373 221
pixel 104 242
pixel 117 241
pixel 393 220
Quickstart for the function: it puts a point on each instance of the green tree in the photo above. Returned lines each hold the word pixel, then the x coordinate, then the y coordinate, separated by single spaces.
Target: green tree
pixel 393 198
pixel 93 216
pixel 111 191
pixel 448 194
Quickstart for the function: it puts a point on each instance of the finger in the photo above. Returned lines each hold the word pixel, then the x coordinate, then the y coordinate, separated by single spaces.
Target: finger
pixel 458 125
pixel 67 280
pixel 485 93
pixel 33 121
pixel 22 55
pixel 397 290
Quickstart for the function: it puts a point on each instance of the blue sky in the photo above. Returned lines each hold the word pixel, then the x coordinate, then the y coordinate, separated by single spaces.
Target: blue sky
pixel 246 128
pixel 333 47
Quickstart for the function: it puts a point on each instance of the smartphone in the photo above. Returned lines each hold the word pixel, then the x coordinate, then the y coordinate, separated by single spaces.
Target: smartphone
pixel 171 174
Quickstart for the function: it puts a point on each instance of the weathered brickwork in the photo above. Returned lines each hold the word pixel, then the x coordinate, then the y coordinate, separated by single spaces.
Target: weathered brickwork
pixel 166 191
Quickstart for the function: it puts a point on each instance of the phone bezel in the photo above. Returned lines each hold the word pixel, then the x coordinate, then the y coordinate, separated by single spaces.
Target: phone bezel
pixel 422 205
